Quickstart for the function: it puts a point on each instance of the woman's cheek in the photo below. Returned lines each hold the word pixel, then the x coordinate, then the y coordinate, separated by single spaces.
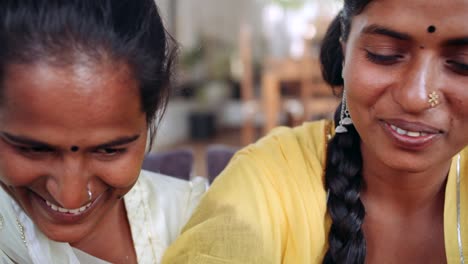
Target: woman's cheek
pixel 16 172
pixel 121 174
pixel 458 101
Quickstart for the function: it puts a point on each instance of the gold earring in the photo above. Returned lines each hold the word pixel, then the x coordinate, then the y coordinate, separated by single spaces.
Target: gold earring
pixel 433 99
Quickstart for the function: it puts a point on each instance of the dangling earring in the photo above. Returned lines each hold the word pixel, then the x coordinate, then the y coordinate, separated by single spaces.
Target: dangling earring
pixel 345 118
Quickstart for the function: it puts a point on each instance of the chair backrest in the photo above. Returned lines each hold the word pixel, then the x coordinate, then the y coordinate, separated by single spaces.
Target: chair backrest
pixel 176 163
pixel 217 157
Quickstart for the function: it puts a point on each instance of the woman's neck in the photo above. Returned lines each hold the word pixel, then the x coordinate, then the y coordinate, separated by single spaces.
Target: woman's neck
pixel 112 239
pixel 403 191
pixel 403 203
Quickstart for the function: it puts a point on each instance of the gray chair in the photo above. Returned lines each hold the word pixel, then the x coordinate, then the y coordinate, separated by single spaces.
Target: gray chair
pixel 217 157
pixel 175 163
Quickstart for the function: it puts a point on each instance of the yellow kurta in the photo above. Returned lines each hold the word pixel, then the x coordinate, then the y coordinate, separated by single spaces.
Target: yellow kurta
pixel 269 205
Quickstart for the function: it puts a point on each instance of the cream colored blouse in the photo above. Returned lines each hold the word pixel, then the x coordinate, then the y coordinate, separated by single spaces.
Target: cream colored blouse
pixel 157 208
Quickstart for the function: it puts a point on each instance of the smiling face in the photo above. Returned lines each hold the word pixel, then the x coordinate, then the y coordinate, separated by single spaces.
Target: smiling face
pixel 45 112
pixel 392 63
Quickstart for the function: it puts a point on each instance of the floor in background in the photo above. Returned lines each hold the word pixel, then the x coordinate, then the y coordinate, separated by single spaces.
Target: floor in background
pixel 229 137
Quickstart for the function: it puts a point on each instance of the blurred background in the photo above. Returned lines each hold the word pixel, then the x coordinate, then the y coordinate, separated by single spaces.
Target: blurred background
pixel 244 67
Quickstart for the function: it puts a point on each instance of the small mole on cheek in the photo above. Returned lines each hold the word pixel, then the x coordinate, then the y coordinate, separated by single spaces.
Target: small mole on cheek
pixel 421 47
pixel 431 29
pixel 74 148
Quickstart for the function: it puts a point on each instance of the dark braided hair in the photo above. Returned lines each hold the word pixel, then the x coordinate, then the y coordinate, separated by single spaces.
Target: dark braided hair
pixel 343 172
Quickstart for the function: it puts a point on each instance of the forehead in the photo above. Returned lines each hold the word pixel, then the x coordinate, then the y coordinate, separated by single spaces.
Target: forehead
pixel 86 94
pixel 415 16
pixel 81 78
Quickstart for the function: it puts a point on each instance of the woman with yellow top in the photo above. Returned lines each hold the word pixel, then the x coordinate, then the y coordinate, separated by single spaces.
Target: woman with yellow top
pixel 390 186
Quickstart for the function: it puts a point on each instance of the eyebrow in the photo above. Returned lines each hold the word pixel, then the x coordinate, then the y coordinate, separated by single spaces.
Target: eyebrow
pixel 119 141
pixel 32 142
pixel 456 42
pixel 375 29
pixel 381 30
pixel 24 140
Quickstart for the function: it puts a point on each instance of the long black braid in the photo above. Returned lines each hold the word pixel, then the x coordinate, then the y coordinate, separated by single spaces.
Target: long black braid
pixel 343 172
pixel 343 179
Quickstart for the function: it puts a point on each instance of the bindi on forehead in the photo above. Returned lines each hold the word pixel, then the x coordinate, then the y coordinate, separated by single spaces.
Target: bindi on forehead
pixel 74 148
pixel 431 29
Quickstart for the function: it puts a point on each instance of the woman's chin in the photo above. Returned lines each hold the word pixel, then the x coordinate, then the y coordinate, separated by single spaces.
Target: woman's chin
pixel 64 234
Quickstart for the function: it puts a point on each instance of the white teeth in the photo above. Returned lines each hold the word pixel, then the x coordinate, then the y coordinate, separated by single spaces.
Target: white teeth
pixel 69 211
pixel 408 133
pixel 75 211
pixel 413 134
pixel 401 131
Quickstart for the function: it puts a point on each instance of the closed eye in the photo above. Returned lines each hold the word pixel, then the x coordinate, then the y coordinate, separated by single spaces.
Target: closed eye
pixel 110 151
pixel 383 59
pixel 458 67
pixel 34 151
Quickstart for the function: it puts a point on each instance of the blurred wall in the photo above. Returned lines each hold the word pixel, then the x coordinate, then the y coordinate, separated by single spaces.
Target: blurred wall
pixel 218 18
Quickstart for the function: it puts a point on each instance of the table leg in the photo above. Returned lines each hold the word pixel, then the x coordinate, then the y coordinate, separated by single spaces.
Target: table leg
pixel 270 100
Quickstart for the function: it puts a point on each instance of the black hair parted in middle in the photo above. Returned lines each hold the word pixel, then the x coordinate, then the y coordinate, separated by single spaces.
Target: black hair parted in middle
pixel 61 32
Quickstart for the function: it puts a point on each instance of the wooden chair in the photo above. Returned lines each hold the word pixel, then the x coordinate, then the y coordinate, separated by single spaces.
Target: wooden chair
pixel 249 103
pixel 315 97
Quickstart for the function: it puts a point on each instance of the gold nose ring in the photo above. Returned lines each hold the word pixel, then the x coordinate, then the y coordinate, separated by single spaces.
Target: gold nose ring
pixel 433 99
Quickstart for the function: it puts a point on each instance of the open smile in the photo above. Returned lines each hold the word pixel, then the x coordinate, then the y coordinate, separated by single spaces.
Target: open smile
pixel 65 215
pixel 408 133
pixel 76 211
pixel 411 136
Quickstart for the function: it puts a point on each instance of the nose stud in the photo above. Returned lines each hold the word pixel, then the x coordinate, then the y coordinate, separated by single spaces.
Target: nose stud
pixel 90 194
pixel 433 99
